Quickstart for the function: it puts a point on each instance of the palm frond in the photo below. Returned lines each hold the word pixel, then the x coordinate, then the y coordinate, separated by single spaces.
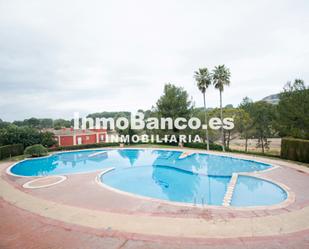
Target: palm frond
pixel 203 79
pixel 221 77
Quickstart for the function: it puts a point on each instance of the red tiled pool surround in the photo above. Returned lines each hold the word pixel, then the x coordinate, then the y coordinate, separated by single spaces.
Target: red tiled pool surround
pixel 81 190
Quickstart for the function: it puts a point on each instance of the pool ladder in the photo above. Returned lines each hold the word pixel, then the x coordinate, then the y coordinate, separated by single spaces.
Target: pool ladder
pixel 195 201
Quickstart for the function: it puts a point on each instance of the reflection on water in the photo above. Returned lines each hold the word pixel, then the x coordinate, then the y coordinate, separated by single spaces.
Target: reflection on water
pixel 131 155
pixel 250 191
pixel 184 186
pixel 92 160
pixel 167 183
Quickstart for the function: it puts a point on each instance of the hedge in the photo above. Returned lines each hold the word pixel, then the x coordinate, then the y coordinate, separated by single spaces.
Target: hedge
pixel 295 149
pixel 83 146
pixel 11 150
pixel 203 146
pixel 99 145
pixel 36 150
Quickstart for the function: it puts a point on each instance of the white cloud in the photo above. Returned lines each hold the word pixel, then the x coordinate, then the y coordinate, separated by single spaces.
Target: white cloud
pixel 57 57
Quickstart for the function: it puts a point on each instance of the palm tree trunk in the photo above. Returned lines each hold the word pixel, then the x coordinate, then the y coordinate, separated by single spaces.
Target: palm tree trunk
pixel 222 135
pixel 228 139
pixel 246 144
pixel 206 121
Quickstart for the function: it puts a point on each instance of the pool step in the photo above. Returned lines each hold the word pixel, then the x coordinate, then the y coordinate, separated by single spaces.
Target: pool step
pixel 230 190
pixel 186 154
pixel 97 153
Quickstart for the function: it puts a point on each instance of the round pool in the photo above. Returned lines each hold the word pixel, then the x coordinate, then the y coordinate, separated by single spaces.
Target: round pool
pixel 197 178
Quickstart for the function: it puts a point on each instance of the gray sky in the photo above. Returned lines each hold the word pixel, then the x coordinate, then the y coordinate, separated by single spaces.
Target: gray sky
pixel 57 57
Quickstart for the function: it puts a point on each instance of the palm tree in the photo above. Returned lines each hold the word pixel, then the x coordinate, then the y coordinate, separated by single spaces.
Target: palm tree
pixel 221 77
pixel 203 80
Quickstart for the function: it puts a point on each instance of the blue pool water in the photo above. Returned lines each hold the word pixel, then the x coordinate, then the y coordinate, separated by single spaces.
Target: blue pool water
pixel 251 191
pixel 198 178
pixel 170 184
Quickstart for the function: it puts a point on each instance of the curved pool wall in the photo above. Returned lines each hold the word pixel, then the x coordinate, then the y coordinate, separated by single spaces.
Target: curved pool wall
pixel 160 174
pixel 94 160
pixel 252 191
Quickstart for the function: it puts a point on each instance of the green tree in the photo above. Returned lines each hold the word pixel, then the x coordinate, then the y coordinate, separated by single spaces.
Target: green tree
pixel 230 134
pixel 213 135
pixel 128 131
pixel 203 80
pixel 246 104
pixel 173 103
pixel 293 110
pixel 19 123
pixel 221 78
pixel 46 123
pixel 25 135
pixel 4 124
pixel 263 115
pixel 47 139
pixel 32 122
pixel 244 125
pixel 61 123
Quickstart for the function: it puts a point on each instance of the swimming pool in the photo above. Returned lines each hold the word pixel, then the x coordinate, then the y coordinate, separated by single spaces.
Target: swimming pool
pixel 162 174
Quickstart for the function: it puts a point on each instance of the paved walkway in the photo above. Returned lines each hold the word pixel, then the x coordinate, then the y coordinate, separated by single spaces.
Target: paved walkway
pixel 22 229
pixel 94 216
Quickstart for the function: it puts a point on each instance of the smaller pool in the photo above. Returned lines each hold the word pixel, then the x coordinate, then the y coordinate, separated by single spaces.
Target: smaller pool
pixel 251 191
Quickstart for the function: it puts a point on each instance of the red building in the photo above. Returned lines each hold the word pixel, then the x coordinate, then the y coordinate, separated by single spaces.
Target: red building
pixel 69 136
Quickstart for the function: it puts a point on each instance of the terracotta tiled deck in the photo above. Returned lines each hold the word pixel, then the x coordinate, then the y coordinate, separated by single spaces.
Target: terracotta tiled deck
pixel 79 213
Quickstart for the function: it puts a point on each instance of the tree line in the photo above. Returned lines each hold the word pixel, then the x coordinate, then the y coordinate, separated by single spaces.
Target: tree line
pixel 259 120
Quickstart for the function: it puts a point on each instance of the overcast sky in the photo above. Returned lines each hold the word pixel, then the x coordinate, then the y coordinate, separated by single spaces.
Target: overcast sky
pixel 57 57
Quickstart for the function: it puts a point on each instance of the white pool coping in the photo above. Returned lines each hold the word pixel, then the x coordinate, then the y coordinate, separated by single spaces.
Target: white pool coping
pixel 28 184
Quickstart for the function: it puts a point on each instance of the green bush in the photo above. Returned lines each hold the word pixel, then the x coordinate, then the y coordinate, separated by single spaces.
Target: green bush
pixel 11 150
pixel 295 149
pixel 203 146
pixel 84 146
pixel 36 150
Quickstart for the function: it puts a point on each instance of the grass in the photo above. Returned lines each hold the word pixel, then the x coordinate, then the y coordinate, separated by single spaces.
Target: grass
pixel 256 153
pixel 14 158
pixel 274 146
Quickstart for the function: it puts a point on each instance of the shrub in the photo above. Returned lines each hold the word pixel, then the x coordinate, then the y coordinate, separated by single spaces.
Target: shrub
pixel 295 149
pixel 165 143
pixel 11 150
pixel 36 150
pixel 203 146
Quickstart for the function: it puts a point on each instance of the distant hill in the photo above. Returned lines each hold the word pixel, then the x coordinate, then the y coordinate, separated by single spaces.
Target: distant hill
pixel 272 99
